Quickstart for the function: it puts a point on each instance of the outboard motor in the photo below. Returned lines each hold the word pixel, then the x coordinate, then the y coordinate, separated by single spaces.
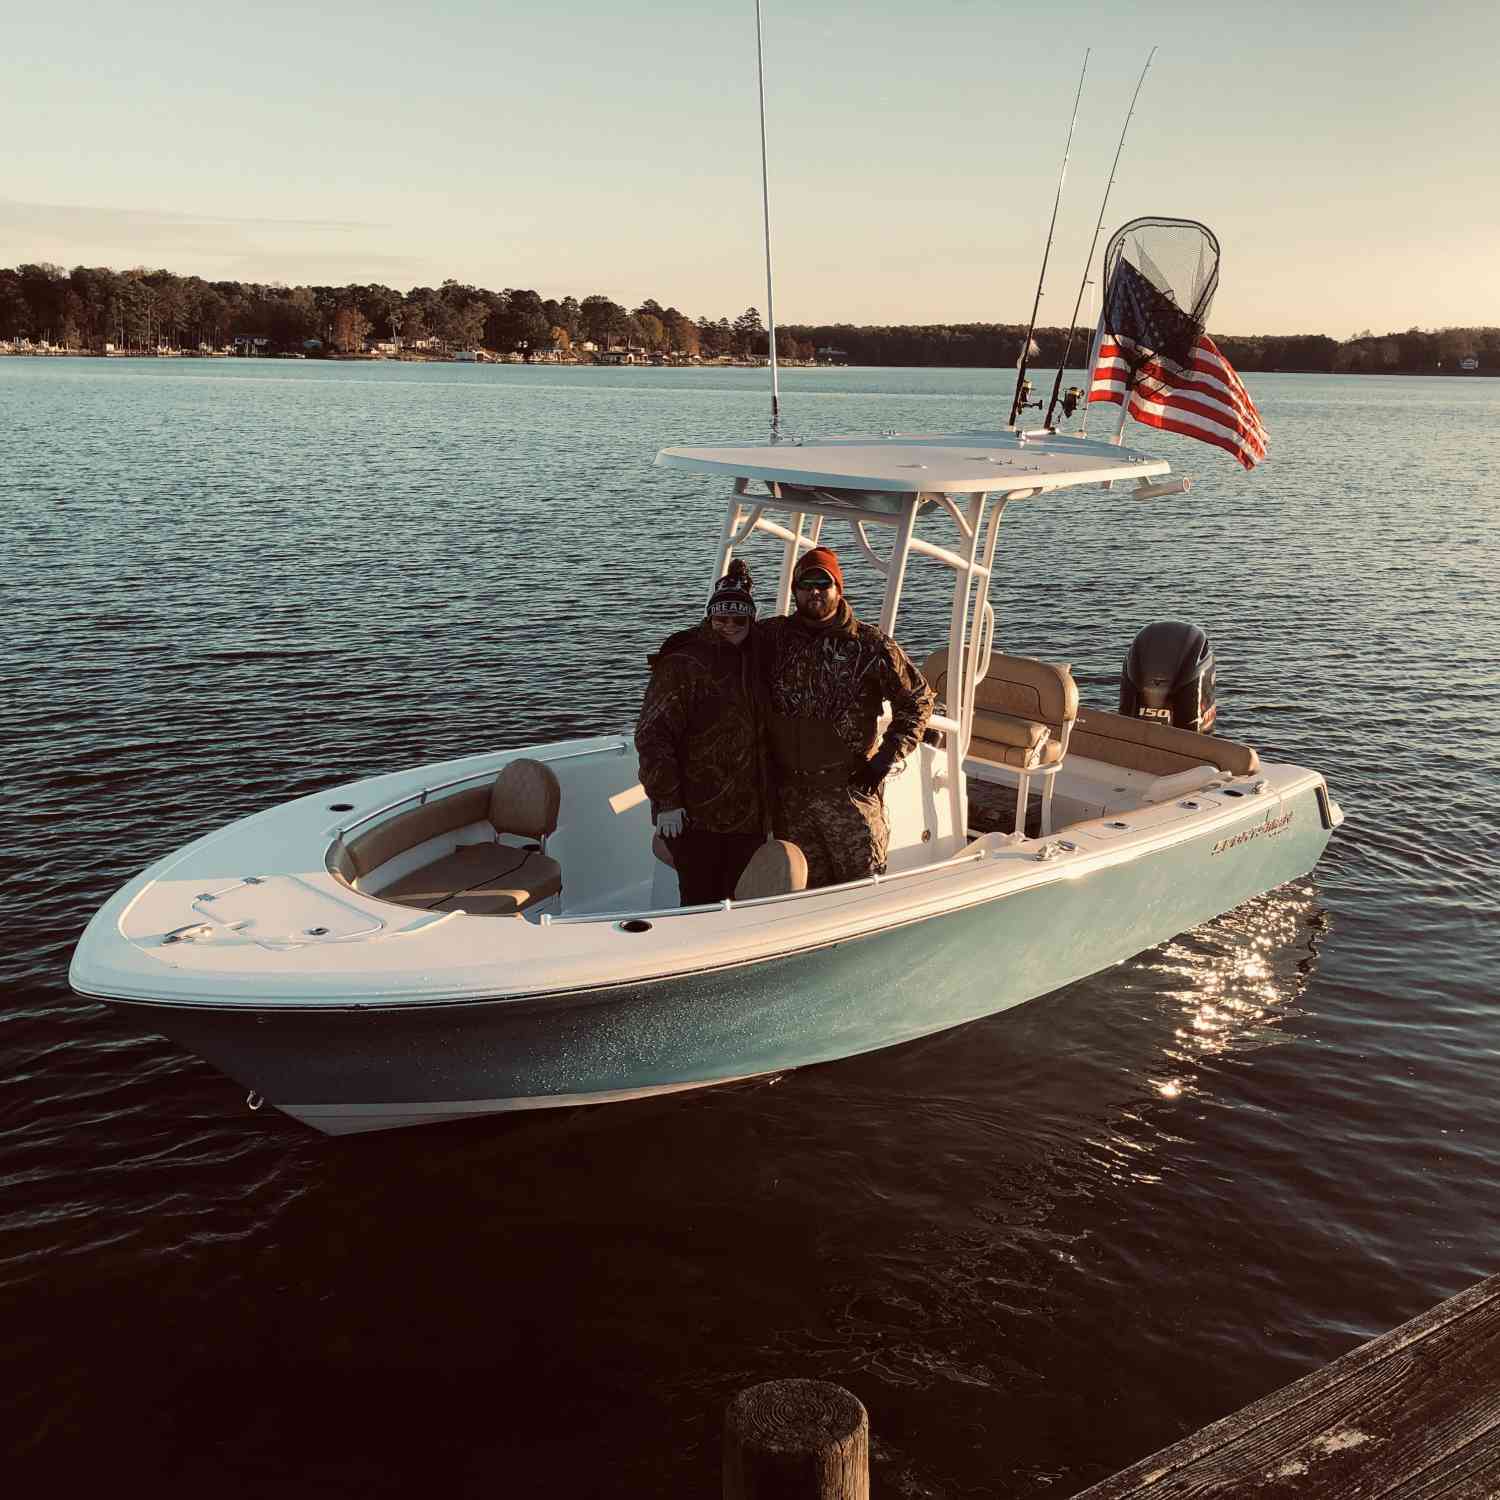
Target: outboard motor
pixel 1169 675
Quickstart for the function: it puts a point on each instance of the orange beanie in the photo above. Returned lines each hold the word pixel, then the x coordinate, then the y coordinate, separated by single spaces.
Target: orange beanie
pixel 825 558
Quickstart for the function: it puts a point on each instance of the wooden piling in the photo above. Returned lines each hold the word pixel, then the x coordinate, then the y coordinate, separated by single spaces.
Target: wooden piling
pixel 796 1440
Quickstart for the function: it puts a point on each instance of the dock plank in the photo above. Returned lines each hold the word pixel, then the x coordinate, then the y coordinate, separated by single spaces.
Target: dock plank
pixel 1411 1415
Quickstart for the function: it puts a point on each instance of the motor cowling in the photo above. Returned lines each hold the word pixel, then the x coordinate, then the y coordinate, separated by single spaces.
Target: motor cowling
pixel 1169 675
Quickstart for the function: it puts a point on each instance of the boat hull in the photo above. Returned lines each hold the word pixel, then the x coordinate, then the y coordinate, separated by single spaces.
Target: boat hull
pixel 369 1067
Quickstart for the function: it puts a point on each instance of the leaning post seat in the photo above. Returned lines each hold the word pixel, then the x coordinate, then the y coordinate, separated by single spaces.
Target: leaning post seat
pixel 777 868
pixel 1024 712
pixel 497 876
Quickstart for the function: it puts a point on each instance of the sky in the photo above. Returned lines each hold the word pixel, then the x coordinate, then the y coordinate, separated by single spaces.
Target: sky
pixel 1343 153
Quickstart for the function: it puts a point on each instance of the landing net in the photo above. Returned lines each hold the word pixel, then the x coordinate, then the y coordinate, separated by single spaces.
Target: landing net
pixel 1160 276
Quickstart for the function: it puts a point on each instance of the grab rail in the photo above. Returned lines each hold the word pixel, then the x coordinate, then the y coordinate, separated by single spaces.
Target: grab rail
pixel 729 904
pixel 987 626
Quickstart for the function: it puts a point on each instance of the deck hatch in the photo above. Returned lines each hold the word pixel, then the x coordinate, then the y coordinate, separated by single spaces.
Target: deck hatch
pixel 280 911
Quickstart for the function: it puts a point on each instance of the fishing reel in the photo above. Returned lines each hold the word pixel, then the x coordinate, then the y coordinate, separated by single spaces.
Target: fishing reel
pixel 1072 399
pixel 1023 398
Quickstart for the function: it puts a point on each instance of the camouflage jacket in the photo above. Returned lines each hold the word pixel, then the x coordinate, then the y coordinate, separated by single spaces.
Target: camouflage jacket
pixel 839 674
pixel 697 735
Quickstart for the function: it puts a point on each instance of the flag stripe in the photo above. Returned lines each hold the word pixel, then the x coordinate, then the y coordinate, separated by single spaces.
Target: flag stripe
pixel 1214 392
pixel 1208 417
pixel 1219 382
pixel 1203 398
pixel 1162 379
pixel 1211 411
pixel 1248 453
pixel 1144 411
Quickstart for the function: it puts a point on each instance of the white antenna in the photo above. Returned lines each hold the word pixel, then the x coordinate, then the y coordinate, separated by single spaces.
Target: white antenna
pixel 765 195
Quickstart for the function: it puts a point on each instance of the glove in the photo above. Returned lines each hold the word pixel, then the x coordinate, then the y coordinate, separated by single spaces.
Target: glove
pixel 670 824
pixel 868 777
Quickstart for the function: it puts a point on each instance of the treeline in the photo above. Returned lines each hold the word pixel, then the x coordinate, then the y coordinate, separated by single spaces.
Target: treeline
pixel 992 345
pixel 90 307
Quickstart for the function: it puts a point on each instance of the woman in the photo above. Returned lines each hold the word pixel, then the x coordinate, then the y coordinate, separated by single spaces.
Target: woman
pixel 698 742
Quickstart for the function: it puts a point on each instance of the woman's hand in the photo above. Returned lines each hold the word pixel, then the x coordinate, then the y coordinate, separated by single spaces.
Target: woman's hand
pixel 670 824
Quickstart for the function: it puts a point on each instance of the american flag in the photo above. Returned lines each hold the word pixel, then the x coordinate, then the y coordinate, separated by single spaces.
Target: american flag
pixel 1152 359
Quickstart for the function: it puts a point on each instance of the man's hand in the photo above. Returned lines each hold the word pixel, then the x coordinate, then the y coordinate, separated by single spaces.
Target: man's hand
pixel 868 777
pixel 670 824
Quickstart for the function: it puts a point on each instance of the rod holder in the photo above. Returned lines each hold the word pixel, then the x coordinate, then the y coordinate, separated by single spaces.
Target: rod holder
pixel 1157 491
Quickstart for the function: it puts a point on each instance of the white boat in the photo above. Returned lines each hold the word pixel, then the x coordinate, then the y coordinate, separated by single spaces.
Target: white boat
pixel 495 933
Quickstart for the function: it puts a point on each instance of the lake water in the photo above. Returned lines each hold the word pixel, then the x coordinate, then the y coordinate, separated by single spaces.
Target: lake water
pixel 1037 1247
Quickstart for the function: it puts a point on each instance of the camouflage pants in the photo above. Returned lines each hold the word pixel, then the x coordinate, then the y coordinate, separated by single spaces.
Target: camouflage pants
pixel 843 833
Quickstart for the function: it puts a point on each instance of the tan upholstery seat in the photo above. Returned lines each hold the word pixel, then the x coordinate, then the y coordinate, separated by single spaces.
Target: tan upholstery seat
pixel 1024 713
pixel 525 799
pixel 777 868
pixel 488 877
pixel 1156 748
pixel 1013 742
pixel 415 826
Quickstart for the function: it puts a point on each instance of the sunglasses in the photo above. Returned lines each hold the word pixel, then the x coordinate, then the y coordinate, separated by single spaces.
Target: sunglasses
pixel 811 581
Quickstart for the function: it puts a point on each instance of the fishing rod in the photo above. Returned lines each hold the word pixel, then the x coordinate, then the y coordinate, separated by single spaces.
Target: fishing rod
pixel 765 196
pixel 1023 386
pixel 1070 404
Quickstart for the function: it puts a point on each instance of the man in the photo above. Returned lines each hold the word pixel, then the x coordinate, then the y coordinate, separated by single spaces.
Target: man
pixel 698 742
pixel 825 676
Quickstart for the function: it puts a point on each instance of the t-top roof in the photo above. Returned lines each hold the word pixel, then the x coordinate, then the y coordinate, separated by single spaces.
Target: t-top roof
pixel 952 463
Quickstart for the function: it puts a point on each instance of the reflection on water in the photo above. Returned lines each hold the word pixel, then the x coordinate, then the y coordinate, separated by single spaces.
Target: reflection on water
pixel 1233 982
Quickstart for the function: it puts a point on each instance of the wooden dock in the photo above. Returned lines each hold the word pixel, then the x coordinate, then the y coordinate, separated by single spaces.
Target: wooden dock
pixel 1412 1415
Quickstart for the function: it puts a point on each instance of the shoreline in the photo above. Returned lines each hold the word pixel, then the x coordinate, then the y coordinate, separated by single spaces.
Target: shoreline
pixel 583 364
pixel 430 359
